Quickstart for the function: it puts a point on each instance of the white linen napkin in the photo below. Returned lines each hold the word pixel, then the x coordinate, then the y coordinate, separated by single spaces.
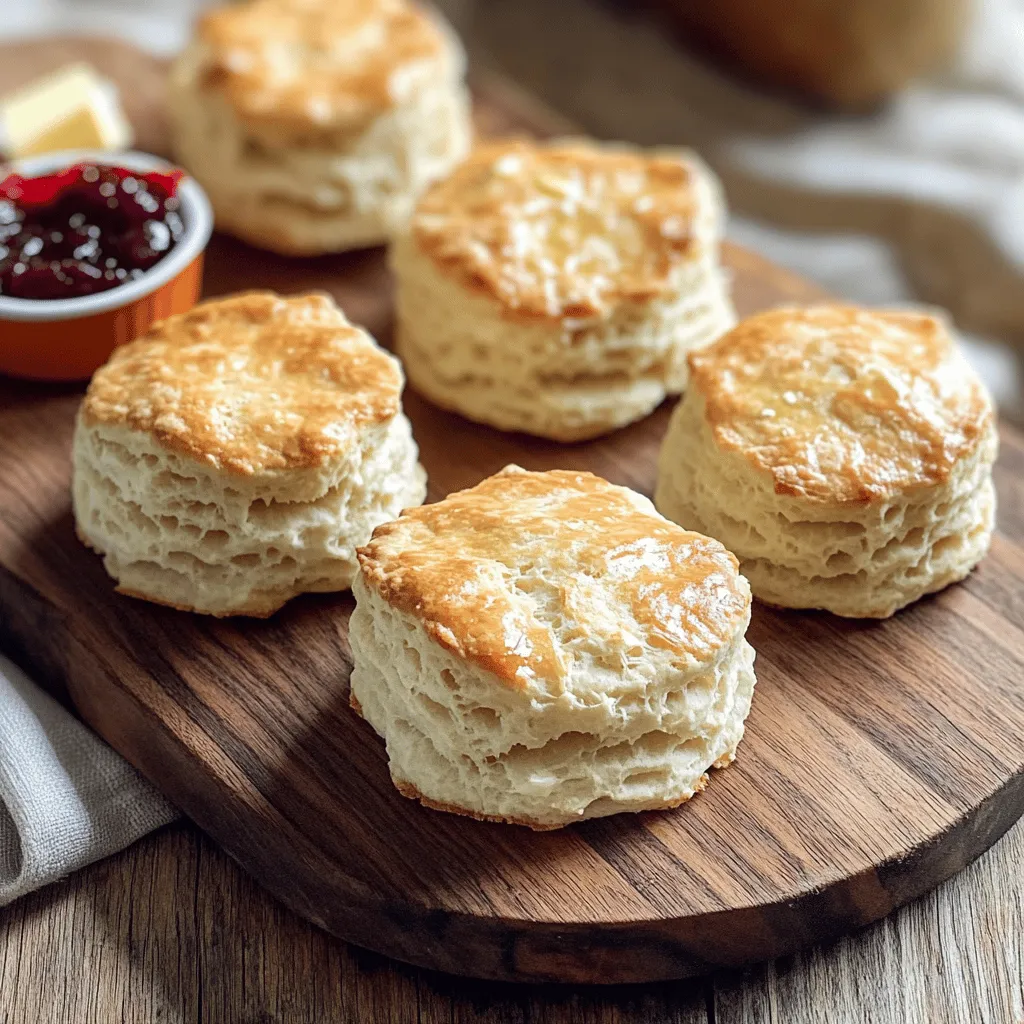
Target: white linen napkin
pixel 66 798
pixel 929 195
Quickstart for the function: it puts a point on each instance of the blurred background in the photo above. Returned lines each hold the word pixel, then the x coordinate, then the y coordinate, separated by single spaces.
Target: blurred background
pixel 876 146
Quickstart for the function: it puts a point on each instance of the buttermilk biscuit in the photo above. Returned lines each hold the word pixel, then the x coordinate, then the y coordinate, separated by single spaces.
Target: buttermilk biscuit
pixel 314 124
pixel 556 288
pixel 845 455
pixel 236 455
pixel 545 647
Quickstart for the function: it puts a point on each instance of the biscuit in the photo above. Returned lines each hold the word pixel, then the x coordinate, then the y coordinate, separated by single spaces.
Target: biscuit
pixel 844 454
pixel 314 124
pixel 544 648
pixel 556 288
pixel 237 454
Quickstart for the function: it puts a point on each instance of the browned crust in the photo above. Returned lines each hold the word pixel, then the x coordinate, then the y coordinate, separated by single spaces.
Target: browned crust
pixel 326 95
pixel 309 379
pixel 725 760
pixel 840 403
pixel 249 613
pixel 438 562
pixel 464 223
pixel 265 233
pixel 263 612
pixel 408 790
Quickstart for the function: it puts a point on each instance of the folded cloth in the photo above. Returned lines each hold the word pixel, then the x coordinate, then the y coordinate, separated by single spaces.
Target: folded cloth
pixel 66 798
pixel 938 173
pixel 923 200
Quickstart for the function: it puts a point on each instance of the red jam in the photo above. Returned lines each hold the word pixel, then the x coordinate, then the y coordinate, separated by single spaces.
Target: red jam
pixel 84 230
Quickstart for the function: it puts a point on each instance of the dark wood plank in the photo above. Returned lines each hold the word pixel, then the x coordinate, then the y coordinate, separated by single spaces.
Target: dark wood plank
pixel 171 930
pixel 880 758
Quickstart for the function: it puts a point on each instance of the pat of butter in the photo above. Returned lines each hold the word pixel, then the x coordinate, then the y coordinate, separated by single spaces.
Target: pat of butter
pixel 71 109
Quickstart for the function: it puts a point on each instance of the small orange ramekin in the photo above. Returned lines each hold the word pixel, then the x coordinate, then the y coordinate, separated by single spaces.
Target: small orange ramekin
pixel 68 339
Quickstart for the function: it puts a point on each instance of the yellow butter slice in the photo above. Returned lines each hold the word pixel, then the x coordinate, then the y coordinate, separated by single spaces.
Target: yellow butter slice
pixel 73 108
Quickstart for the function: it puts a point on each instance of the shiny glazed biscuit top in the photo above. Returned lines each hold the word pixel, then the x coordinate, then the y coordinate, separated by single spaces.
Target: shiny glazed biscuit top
pixel 492 572
pixel 250 383
pixel 843 404
pixel 318 64
pixel 562 230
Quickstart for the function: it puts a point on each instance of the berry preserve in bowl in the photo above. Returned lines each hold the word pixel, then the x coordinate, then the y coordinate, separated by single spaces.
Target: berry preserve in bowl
pixel 94 247
pixel 84 229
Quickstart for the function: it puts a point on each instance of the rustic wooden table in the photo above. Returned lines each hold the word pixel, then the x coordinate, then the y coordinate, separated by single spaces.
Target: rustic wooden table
pixel 172 931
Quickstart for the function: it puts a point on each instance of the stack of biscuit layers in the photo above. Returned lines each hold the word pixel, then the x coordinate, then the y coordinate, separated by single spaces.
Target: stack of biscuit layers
pixel 315 124
pixel 238 454
pixel 845 455
pixel 556 289
pixel 545 648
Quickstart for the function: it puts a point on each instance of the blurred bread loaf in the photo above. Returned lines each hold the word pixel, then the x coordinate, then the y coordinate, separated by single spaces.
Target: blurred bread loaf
pixel 555 288
pixel 545 648
pixel 237 454
pixel 314 124
pixel 843 53
pixel 843 454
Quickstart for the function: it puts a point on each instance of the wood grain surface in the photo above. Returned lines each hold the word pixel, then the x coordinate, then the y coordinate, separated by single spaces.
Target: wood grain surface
pixel 880 758
pixel 173 931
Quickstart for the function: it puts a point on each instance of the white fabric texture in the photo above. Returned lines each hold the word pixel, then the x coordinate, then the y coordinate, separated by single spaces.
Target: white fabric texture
pixel 937 177
pixel 66 798
pixel 929 195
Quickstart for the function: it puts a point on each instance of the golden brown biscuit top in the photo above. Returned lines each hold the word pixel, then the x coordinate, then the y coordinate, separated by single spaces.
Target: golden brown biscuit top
pixel 318 64
pixel 840 403
pixel 495 570
pixel 563 230
pixel 250 383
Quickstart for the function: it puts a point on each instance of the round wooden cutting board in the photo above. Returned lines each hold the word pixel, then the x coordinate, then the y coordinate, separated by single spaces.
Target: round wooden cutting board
pixel 880 757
